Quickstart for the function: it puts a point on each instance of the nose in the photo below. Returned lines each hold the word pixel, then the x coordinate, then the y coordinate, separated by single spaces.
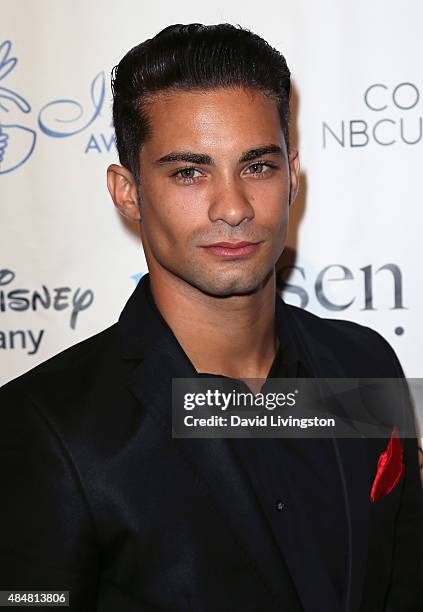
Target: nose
pixel 230 203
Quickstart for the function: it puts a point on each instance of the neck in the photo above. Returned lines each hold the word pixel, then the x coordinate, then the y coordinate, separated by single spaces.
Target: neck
pixel 233 336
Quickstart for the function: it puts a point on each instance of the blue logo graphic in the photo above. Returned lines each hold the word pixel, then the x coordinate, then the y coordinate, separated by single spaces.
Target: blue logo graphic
pixel 137 277
pixel 57 119
pixel 17 142
pixel 58 127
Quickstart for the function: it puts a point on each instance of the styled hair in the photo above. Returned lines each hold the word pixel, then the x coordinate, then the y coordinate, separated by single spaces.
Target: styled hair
pixel 191 57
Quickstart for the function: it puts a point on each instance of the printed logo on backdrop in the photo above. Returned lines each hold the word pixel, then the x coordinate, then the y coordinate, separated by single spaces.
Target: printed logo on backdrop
pixel 68 302
pixel 392 115
pixel 339 288
pixel 61 118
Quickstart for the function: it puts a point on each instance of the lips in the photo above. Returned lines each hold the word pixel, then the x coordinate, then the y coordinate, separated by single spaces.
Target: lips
pixel 231 245
pixel 232 250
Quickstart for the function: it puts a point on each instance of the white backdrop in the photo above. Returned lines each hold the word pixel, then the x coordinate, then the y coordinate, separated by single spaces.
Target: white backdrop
pixel 68 262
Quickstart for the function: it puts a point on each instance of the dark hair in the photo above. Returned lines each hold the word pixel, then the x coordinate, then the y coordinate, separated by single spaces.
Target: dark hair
pixel 191 57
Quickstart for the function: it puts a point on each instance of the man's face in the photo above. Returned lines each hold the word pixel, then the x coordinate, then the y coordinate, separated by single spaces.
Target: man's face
pixel 215 170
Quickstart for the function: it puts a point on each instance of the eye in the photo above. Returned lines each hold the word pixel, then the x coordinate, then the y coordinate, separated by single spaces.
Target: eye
pixel 260 168
pixel 187 175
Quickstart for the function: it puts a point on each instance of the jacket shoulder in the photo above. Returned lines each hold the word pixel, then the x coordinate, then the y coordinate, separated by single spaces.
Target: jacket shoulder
pixel 363 351
pixel 66 366
pixel 79 397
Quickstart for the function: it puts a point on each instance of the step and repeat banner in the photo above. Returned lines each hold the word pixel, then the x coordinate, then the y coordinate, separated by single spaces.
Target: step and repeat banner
pixel 68 261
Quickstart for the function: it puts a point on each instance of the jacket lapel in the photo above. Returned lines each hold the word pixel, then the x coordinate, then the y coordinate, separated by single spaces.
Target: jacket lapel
pixel 213 460
pixel 352 458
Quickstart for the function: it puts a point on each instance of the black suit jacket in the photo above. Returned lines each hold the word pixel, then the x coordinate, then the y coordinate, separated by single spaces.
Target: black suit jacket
pixel 97 497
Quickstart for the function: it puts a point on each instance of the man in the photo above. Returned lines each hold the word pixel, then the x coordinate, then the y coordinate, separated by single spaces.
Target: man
pixel 98 497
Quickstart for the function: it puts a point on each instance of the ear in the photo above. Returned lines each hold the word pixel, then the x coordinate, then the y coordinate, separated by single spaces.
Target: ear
pixel 122 188
pixel 294 174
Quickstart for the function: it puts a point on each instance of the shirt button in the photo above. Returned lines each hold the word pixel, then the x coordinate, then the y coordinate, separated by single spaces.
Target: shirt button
pixel 279 505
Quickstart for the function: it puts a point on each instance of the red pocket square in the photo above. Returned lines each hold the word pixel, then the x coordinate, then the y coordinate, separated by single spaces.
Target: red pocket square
pixel 390 468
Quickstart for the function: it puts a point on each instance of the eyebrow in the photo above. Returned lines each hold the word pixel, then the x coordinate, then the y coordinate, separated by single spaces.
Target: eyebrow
pixel 206 160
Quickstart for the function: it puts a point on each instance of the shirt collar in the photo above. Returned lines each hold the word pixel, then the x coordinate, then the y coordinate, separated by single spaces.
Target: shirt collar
pixel 142 328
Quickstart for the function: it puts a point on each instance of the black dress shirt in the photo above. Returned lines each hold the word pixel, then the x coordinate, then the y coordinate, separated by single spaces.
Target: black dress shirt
pixel 297 483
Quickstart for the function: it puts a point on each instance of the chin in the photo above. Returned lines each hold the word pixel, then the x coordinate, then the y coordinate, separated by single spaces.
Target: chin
pixel 224 285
